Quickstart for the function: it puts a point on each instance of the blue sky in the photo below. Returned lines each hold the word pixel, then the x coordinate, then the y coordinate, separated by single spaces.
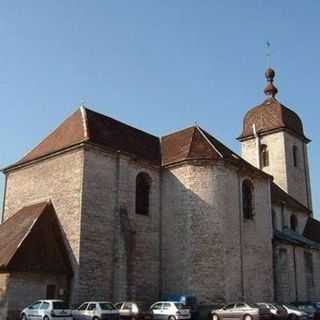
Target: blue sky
pixel 157 65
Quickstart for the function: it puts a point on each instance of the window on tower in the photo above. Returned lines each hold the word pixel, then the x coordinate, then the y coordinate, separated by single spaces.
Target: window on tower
pixel 247 199
pixel 264 155
pixel 293 222
pixel 143 183
pixel 295 156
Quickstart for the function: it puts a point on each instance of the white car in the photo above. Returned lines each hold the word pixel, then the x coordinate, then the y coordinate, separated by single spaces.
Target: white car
pixel 168 310
pixel 47 310
pixel 96 310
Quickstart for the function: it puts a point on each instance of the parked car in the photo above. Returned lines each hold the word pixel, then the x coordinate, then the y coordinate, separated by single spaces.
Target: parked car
pixel 242 311
pixel 189 301
pixel 96 310
pixel 169 310
pixel 134 310
pixel 47 310
pixel 294 313
pixel 278 312
pixel 204 310
pixel 308 308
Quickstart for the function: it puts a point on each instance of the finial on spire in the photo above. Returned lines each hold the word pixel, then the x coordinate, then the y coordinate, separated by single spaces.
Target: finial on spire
pixel 270 89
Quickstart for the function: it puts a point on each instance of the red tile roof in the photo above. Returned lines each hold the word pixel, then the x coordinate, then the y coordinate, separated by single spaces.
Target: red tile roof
pixel 195 143
pixel 32 240
pixel 279 196
pixel 85 125
pixel 271 116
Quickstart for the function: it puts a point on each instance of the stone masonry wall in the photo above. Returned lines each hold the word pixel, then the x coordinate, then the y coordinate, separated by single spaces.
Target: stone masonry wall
pixel 26 288
pixel 192 239
pixel 59 179
pixel 294 180
pixel 201 207
pixel 257 245
pixel 290 274
pixel 120 246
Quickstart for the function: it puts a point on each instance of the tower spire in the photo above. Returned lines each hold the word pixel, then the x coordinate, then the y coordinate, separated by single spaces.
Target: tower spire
pixel 270 89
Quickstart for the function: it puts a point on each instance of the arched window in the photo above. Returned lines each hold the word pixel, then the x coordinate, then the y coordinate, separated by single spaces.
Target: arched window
pixel 293 222
pixel 295 155
pixel 247 199
pixel 264 155
pixel 143 183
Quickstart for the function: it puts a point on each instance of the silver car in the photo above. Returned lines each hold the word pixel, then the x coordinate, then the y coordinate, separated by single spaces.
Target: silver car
pixel 241 311
pixel 133 310
pixel 168 310
pixel 47 310
pixel 96 310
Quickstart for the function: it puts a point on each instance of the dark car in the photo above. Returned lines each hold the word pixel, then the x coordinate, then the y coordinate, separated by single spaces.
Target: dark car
pixel 308 308
pixel 134 310
pixel 278 312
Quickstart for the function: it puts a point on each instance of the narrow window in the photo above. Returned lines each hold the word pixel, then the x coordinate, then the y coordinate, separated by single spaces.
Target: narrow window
pixel 143 182
pixel 247 199
pixel 51 291
pixel 293 222
pixel 264 155
pixel 295 156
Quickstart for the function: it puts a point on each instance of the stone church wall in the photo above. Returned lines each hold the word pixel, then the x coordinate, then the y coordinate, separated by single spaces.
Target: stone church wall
pixel 291 274
pixel 26 288
pixel 257 246
pixel 59 179
pixel 201 207
pixel 119 254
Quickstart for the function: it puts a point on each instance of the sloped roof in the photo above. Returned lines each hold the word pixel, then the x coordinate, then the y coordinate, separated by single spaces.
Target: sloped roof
pixel 85 125
pixel 195 143
pixel 278 195
pixel 292 237
pixel 31 240
pixel 270 116
pixel 312 230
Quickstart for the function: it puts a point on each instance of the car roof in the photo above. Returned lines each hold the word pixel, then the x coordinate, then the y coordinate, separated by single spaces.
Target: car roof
pixel 97 302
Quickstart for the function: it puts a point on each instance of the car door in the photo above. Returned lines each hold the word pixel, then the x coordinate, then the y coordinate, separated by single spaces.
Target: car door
pixel 157 311
pixel 33 311
pixel 166 311
pixel 126 310
pixel 227 313
pixel 78 314
pixel 239 310
pixel 91 311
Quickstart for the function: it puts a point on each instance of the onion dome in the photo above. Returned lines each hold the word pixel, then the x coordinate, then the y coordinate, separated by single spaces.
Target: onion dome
pixel 271 116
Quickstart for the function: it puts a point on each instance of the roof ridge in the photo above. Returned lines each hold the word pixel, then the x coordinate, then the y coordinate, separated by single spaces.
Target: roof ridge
pixel 122 123
pixel 84 117
pixel 209 142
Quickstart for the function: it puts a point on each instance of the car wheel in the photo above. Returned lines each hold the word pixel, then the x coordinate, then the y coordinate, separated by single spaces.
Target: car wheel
pixel 292 317
pixel 172 318
pixel 95 318
pixel 46 318
pixel 247 317
pixel 215 317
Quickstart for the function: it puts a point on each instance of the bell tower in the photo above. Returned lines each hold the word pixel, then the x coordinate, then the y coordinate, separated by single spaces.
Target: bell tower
pixel 273 140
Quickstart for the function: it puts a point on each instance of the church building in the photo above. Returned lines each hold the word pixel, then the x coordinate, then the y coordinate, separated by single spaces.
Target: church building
pixel 100 210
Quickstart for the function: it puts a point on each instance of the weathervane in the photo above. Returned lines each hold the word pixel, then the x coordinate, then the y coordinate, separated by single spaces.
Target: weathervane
pixel 268 44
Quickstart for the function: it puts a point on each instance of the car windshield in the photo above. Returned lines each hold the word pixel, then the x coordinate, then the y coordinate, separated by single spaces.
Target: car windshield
pixel 307 307
pixel 59 305
pixel 180 306
pixel 106 306
pixel 290 306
